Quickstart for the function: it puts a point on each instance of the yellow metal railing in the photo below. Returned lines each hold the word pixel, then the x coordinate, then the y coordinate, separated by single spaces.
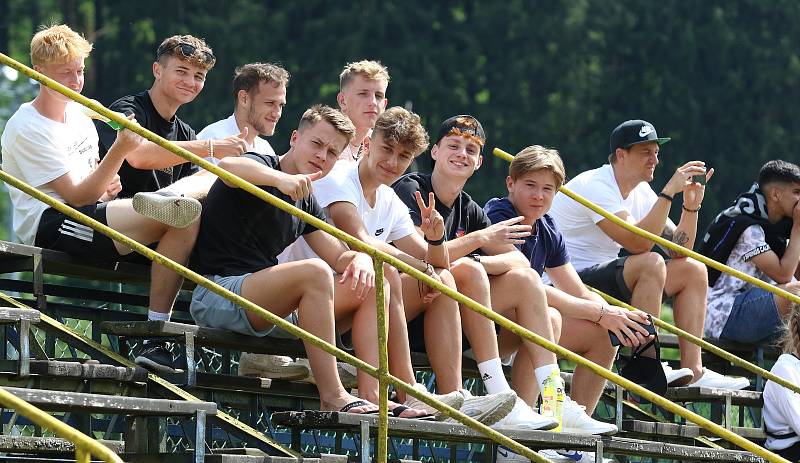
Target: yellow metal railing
pixel 379 257
pixel 705 260
pixel 85 446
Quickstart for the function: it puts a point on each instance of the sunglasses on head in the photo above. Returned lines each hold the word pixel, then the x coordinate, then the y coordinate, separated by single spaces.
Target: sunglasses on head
pixel 188 51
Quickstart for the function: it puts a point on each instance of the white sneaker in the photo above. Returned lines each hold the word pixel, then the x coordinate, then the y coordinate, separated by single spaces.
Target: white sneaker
pixel 454 399
pixel 676 375
pixel 271 366
pixel 522 417
pixel 575 420
pixel 711 378
pixel 506 455
pixel 171 209
pixel 570 456
pixel 347 374
pixel 487 409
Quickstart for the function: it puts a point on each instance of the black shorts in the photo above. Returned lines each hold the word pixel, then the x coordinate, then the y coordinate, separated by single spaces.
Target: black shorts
pixel 61 233
pixel 416 334
pixel 608 277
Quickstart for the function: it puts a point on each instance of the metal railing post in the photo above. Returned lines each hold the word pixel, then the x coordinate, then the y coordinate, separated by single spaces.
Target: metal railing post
pixel 381 448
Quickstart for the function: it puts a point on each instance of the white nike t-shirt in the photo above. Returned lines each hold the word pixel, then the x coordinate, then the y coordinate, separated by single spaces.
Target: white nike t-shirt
pixel 387 221
pixel 587 244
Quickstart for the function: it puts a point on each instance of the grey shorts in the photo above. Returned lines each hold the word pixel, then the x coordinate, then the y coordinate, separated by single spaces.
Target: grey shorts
pixel 210 310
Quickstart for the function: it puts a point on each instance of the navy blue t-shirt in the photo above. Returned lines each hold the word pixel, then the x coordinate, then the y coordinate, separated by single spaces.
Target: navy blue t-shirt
pixel 544 248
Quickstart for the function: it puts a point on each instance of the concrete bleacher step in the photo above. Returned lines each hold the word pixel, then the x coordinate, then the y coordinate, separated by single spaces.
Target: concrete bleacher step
pixel 709 394
pixel 100 403
pixel 235 458
pixel 534 439
pixel 655 430
pixel 87 370
pixel 47 445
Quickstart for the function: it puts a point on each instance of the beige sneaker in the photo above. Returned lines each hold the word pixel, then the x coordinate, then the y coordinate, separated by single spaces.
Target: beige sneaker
pixel 271 366
pixel 171 209
pixel 454 399
pixel 347 373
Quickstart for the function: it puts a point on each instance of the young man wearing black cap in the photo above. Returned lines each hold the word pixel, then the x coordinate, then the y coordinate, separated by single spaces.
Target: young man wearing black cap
pixel 593 242
pixel 490 270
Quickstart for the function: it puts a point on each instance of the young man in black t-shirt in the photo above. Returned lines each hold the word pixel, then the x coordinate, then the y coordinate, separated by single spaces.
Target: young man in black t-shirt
pixel 180 69
pixel 488 268
pixel 241 237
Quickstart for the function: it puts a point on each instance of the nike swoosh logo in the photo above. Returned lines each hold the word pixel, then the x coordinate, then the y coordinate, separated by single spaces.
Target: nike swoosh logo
pixel 645 131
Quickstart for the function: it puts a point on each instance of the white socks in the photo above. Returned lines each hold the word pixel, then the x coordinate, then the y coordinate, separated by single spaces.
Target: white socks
pixel 493 377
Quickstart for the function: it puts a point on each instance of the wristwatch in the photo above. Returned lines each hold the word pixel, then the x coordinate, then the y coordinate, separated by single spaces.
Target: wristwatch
pixel 475 256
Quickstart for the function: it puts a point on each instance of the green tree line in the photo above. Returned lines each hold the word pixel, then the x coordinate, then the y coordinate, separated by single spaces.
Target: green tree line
pixel 720 77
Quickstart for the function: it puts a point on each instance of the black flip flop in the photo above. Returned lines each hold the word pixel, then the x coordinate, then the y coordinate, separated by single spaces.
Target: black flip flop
pixel 399 409
pixel 354 404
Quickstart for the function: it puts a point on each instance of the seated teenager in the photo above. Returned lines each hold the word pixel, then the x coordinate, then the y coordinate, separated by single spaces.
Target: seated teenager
pixel 782 406
pixel 241 237
pixel 52 145
pixel 751 236
pixel 360 201
pixel 487 268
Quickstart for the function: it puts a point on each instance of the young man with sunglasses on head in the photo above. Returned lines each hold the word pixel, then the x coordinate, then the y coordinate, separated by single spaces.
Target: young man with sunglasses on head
pixel 51 144
pixel 180 68
pixel 490 270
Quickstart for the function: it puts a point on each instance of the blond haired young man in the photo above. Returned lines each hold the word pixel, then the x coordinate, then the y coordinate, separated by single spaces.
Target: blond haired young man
pixel 241 236
pixel 50 144
pixel 362 97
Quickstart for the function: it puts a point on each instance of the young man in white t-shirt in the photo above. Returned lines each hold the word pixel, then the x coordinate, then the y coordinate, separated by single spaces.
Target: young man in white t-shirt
pixel 751 236
pixel 259 92
pixel 359 200
pixel 593 242
pixel 52 145
pixel 362 97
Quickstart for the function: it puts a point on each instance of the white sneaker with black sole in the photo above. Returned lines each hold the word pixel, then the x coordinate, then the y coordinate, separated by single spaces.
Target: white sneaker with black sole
pixel 506 455
pixel 167 208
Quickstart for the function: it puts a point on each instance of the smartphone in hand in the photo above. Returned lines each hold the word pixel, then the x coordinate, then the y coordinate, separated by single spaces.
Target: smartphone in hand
pixel 651 330
pixel 701 179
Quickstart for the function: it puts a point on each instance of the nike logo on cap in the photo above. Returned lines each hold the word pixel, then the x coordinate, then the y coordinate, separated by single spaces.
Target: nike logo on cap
pixel 645 130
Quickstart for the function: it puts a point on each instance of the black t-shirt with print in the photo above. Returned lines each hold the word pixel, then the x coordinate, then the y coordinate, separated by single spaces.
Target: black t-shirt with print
pixel 137 180
pixel 240 233
pixel 465 217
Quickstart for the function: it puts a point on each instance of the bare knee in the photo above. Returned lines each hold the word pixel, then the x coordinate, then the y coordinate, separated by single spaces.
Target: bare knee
pixel 318 273
pixel 469 273
pixel 556 322
pixel 650 265
pixel 693 271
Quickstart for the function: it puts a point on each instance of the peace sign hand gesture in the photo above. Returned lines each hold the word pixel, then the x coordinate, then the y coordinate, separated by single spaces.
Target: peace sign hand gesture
pixel 432 224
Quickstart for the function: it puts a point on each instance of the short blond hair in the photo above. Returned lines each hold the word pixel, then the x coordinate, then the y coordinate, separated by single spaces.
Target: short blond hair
pixel 368 69
pixel 58 44
pixel 334 117
pixel 403 127
pixel 202 56
pixel 537 157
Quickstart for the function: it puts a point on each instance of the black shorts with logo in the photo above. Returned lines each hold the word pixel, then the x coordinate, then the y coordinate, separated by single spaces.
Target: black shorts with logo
pixel 60 232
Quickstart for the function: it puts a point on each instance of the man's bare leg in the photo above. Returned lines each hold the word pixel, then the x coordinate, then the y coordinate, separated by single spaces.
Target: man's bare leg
pixel 472 281
pixel 590 341
pixel 523 380
pixel 442 322
pixel 687 282
pixel 645 275
pixel 194 186
pixel 174 243
pixel 399 351
pixel 520 291
pixel 280 289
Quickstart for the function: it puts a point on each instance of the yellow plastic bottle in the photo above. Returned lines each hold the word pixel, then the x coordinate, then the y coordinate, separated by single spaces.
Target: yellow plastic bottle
pixel 553 398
